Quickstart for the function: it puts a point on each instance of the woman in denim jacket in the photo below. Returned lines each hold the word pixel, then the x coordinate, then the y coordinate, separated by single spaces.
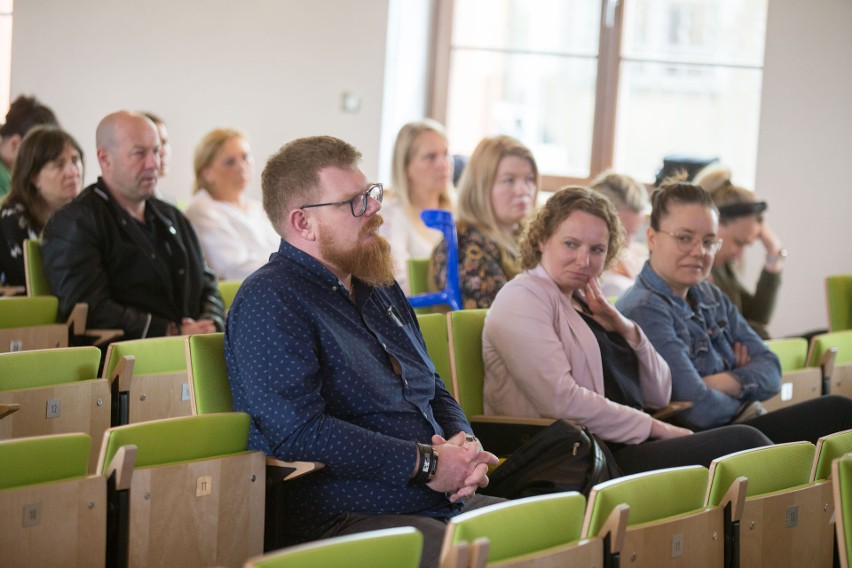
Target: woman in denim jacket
pixel 717 361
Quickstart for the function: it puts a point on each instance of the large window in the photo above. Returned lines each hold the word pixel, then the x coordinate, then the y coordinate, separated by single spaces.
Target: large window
pixel 5 53
pixel 594 84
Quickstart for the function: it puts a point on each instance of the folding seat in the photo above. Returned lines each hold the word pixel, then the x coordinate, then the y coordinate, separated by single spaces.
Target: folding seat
pixel 669 523
pixel 183 492
pixel 534 531
pixel 435 334
pixel 841 472
pixel 54 391
pixel 784 521
pixel 148 379
pixel 838 295
pixel 798 381
pixel 36 280
pixel 388 548
pixel 52 514
pixel 833 352
pixel 228 289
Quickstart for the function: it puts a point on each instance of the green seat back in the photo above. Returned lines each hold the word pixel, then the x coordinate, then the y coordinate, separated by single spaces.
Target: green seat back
pixel 768 469
pixel 175 440
pixel 842 340
pixel 36 280
pixel 28 312
pixel 829 448
pixel 466 345
pixel 843 509
pixel 41 459
pixel 523 526
pixel 418 275
pixel 434 329
pixel 228 289
pixel 838 292
pixel 153 356
pixel 45 367
pixel 389 548
pixel 211 390
pixel 652 496
pixel 792 352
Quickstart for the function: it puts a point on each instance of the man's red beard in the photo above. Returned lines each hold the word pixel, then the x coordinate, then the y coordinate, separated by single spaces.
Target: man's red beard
pixel 370 262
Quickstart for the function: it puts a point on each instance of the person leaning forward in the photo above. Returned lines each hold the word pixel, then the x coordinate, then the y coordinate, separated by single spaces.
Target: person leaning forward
pixel 134 259
pixel 325 353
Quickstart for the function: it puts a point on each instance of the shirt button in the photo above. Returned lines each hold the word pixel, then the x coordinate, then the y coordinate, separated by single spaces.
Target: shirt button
pixel 181 271
pixel 334 288
pixel 153 255
pixel 385 345
pixel 425 415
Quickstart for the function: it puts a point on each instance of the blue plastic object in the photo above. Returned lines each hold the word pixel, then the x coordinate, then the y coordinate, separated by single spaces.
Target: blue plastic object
pixel 451 294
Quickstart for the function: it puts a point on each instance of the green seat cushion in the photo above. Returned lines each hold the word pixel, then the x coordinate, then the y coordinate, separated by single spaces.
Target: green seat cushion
pixel 388 548
pixel 839 296
pixel 38 279
pixel 832 447
pixel 792 352
pixel 228 289
pixel 768 469
pixel 47 367
pixel 842 340
pixel 28 312
pixel 844 479
pixel 210 385
pixel 175 440
pixel 41 459
pixel 467 347
pixel 434 329
pixel 523 526
pixel 652 496
pixel 153 356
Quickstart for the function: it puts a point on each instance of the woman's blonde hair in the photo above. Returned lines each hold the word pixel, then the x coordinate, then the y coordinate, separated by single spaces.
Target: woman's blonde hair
pixel 733 201
pixel 558 208
pixel 207 149
pixel 624 191
pixel 403 151
pixel 475 188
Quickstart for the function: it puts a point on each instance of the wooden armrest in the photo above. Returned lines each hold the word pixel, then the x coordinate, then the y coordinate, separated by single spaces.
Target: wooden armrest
pixel 674 407
pixel 12 290
pixel 103 336
pixel 616 527
pixel 8 408
pixel 123 373
pixel 736 496
pixel 122 465
pixel 286 470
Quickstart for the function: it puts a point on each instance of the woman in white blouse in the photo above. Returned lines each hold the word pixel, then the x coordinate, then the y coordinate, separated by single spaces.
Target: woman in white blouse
pixel 235 233
pixel 422 179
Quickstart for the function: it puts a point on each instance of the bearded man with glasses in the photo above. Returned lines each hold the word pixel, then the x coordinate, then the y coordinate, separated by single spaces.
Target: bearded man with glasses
pixel 324 352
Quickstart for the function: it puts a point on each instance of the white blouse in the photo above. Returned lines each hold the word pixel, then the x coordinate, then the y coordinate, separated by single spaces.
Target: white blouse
pixel 235 240
pixel 406 239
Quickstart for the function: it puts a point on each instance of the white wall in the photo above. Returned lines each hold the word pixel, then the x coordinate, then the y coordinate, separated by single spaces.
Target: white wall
pixel 805 152
pixel 273 68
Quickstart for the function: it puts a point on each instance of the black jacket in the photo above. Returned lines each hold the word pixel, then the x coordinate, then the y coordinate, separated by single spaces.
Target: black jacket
pixel 95 252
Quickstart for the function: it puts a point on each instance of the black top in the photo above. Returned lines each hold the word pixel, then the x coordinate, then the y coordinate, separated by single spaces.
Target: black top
pixel 620 366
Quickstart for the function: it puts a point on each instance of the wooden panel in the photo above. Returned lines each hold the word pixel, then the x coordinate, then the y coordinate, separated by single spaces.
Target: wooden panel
pixel 84 406
pixel 158 396
pixel 701 536
pixel 72 527
pixel 36 337
pixel 585 553
pixel 171 525
pixel 841 380
pixel 765 540
pixel 796 386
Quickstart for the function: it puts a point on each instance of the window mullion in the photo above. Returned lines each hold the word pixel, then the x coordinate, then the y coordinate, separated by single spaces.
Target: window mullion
pixel 442 38
pixel 606 92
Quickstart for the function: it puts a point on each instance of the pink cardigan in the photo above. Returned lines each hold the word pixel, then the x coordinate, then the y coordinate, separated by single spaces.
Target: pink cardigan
pixel 542 360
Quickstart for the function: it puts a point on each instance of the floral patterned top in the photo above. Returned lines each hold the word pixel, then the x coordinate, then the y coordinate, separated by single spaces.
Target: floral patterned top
pixel 15 227
pixel 481 267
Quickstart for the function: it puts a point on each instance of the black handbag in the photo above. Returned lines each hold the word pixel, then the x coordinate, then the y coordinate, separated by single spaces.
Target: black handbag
pixel 560 457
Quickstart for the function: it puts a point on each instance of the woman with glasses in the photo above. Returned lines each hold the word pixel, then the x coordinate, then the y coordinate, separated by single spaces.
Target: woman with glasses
pixel 554 347
pixel 717 361
pixel 235 234
pixel 496 194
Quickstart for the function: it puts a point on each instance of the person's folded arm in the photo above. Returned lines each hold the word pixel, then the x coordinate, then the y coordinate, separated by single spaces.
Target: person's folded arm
pixel 761 376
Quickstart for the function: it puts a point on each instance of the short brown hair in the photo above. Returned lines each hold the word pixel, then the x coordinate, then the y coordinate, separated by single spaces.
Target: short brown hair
pixel 291 175
pixel 677 193
pixel 557 209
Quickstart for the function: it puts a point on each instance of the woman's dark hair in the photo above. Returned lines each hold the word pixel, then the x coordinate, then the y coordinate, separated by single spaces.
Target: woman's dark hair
pixel 40 146
pixel 677 193
pixel 25 113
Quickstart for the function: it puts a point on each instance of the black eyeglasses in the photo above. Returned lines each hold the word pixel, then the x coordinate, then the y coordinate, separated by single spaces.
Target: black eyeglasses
pixel 358 204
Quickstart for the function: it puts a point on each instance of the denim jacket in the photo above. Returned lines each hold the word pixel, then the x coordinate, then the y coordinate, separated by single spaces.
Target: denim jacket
pixel 696 337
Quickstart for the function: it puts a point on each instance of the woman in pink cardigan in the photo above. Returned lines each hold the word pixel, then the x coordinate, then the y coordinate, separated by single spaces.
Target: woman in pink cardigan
pixel 554 347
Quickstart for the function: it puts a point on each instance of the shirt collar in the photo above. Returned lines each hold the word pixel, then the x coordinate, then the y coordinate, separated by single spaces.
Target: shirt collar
pixel 698 295
pixel 325 276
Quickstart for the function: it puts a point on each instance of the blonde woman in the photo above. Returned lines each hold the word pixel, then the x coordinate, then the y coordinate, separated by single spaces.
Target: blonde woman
pixel 496 194
pixel 422 179
pixel 236 236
